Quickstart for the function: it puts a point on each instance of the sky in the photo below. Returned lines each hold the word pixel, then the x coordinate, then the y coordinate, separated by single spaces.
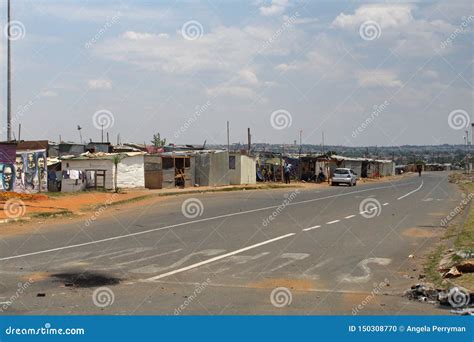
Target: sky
pixel 364 73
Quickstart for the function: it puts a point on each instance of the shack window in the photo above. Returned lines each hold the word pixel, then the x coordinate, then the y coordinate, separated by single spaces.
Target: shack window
pixel 187 162
pixel 168 163
pixel 231 162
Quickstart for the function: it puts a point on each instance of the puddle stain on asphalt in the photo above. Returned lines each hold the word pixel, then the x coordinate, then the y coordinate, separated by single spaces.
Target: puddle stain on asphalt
pixel 85 279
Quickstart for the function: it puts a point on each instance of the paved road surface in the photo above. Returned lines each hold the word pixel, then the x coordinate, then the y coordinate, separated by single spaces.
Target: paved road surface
pixel 340 250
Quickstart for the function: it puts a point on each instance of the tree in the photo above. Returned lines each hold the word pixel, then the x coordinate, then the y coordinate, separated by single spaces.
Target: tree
pixel 157 141
pixel 116 160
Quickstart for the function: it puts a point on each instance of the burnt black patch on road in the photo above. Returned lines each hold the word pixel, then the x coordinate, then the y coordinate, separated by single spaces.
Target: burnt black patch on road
pixel 85 279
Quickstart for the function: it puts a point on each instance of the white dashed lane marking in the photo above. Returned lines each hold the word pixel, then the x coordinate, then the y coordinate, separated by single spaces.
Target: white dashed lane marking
pixel 350 216
pixel 311 228
pixel 167 274
pixel 335 221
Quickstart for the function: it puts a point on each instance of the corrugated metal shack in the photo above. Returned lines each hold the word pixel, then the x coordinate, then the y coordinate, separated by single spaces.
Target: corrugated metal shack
pixel 169 170
pixel 212 167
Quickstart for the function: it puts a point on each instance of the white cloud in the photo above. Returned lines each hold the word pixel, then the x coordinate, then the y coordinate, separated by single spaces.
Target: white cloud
pixel 99 84
pixel 377 78
pixel 248 76
pixel 48 93
pixel 276 7
pixel 387 16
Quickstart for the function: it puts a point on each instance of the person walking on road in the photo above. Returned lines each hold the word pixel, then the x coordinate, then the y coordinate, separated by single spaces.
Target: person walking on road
pixel 287 173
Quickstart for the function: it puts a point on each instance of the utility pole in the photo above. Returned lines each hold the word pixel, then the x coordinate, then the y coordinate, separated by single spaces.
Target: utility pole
pixel 249 137
pixel 323 140
pixel 228 137
pixel 300 170
pixel 9 79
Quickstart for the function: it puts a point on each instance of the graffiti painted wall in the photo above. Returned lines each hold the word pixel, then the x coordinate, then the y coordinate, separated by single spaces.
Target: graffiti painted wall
pixel 28 173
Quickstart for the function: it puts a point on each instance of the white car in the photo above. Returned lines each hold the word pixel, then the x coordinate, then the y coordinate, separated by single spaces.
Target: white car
pixel 344 176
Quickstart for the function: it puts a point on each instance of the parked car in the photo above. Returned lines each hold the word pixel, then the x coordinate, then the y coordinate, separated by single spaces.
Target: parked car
pixel 344 176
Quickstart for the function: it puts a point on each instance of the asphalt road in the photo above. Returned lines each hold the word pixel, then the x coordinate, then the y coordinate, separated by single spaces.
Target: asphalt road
pixel 340 250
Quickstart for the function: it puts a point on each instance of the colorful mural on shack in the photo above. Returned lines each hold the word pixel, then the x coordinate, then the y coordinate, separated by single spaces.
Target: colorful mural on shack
pixel 27 173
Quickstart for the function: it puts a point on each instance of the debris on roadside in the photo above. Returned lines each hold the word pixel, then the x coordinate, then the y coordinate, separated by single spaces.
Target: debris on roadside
pixel 423 293
pixel 463 312
pixel 466 266
pixel 457 297
pixel 453 272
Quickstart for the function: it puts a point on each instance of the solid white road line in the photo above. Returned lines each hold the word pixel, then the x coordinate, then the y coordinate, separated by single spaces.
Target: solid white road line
pixel 190 222
pixel 311 228
pixel 350 216
pixel 335 221
pixel 219 257
pixel 411 192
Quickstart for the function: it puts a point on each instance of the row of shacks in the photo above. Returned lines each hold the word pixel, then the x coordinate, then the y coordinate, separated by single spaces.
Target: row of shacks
pixel 38 166
pixel 306 167
pixel 41 166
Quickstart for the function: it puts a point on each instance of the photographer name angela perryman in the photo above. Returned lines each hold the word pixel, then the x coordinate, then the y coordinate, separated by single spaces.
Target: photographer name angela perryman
pixel 435 329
